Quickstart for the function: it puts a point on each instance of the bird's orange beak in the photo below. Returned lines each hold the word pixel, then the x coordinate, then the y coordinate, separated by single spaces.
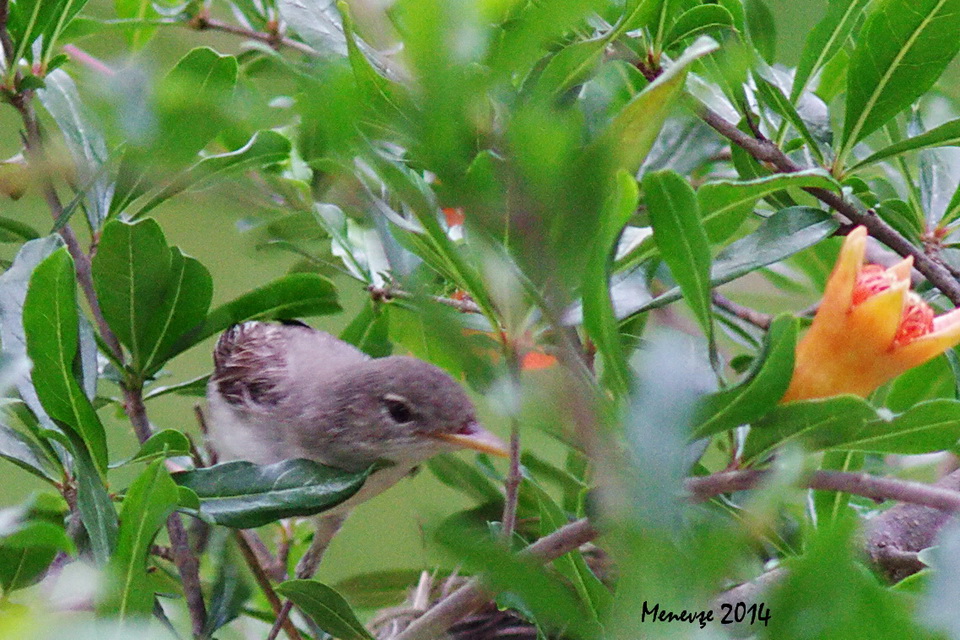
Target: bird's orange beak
pixel 473 436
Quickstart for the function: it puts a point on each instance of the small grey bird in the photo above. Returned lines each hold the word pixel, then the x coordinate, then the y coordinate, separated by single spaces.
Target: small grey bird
pixel 283 391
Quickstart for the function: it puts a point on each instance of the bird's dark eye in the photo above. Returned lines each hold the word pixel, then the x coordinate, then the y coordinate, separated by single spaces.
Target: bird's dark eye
pixel 398 409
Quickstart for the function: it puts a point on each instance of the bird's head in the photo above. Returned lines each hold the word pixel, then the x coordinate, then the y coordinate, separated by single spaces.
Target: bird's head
pixel 410 410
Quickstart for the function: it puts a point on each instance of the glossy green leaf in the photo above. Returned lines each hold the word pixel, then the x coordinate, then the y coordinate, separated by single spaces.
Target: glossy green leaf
pixel 464 477
pixel 777 238
pixel 317 23
pixel 599 318
pixel 761 28
pixel 726 203
pixel 22 451
pixel 50 320
pixel 244 495
pixel 263 149
pixel 681 239
pixel 193 387
pixel 141 11
pixel 150 294
pixel 771 94
pixel 151 498
pixel 229 594
pixel 572 65
pixel 162 444
pixel 185 303
pixel 849 600
pixel 96 509
pixel 761 388
pixel 369 331
pixel 290 296
pixel 326 607
pixel 543 594
pixel 696 21
pixel 84 140
pixel 131 270
pixel 378 589
pixel 30 537
pixel 572 566
pixel 946 135
pixel 635 128
pixel 851 424
pixel 826 39
pixel 901 50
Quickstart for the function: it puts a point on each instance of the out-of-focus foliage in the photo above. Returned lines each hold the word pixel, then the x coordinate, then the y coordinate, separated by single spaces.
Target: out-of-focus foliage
pixel 542 197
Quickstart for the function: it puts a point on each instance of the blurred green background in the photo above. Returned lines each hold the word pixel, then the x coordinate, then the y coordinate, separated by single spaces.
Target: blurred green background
pixel 387 532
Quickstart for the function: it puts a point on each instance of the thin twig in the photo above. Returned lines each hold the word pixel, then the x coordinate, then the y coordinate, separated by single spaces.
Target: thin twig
pixel 189 568
pixel 512 483
pixel 754 317
pixel 327 528
pixel 388 293
pixel 264 583
pixel 766 151
pixel 275 40
pixel 471 596
pixel 5 41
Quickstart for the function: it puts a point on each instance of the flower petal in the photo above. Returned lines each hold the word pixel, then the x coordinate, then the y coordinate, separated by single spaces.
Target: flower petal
pixel 901 270
pixel 945 335
pixel 878 317
pixel 839 292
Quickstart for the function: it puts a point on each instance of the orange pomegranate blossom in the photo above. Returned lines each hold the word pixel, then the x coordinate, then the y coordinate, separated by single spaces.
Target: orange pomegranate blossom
pixel 869 328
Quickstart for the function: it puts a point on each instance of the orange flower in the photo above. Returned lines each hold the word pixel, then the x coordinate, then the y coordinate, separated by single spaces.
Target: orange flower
pixel 869 328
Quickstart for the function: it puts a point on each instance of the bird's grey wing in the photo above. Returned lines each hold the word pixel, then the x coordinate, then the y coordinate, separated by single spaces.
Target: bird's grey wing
pixel 261 365
pixel 249 365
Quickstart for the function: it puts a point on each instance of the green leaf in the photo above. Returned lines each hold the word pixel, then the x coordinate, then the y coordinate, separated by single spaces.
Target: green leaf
pixel 777 238
pixel 30 536
pixel 761 28
pixel 572 566
pixel 599 318
pixel 696 21
pixel 635 128
pixel 369 331
pixel 17 448
pixel 131 270
pixel 773 97
pixel 15 231
pixel 193 387
pixel 327 608
pixel 849 601
pixel 150 294
pixel 901 50
pixel 84 140
pixel 464 477
pixel 572 65
pixel 151 498
pixel 946 135
pixel 726 203
pixel 230 593
pixel 140 11
pixel 244 495
pixel 761 388
pixel 184 305
pixel 317 23
pixel 93 502
pixel 297 294
pixel 544 595
pixel 162 444
pixel 849 423
pixel 678 232
pixel 263 149
pixel 826 40
pixel 50 320
pixel 379 589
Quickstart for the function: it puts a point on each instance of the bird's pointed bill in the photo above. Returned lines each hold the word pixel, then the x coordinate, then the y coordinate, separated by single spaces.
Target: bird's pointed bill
pixel 473 436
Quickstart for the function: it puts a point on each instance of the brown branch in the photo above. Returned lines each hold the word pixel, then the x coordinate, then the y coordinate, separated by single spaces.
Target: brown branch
pixel 471 596
pixel 389 293
pixel 203 22
pixel 185 560
pixel 766 151
pixel 754 317
pixel 5 41
pixel 264 583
